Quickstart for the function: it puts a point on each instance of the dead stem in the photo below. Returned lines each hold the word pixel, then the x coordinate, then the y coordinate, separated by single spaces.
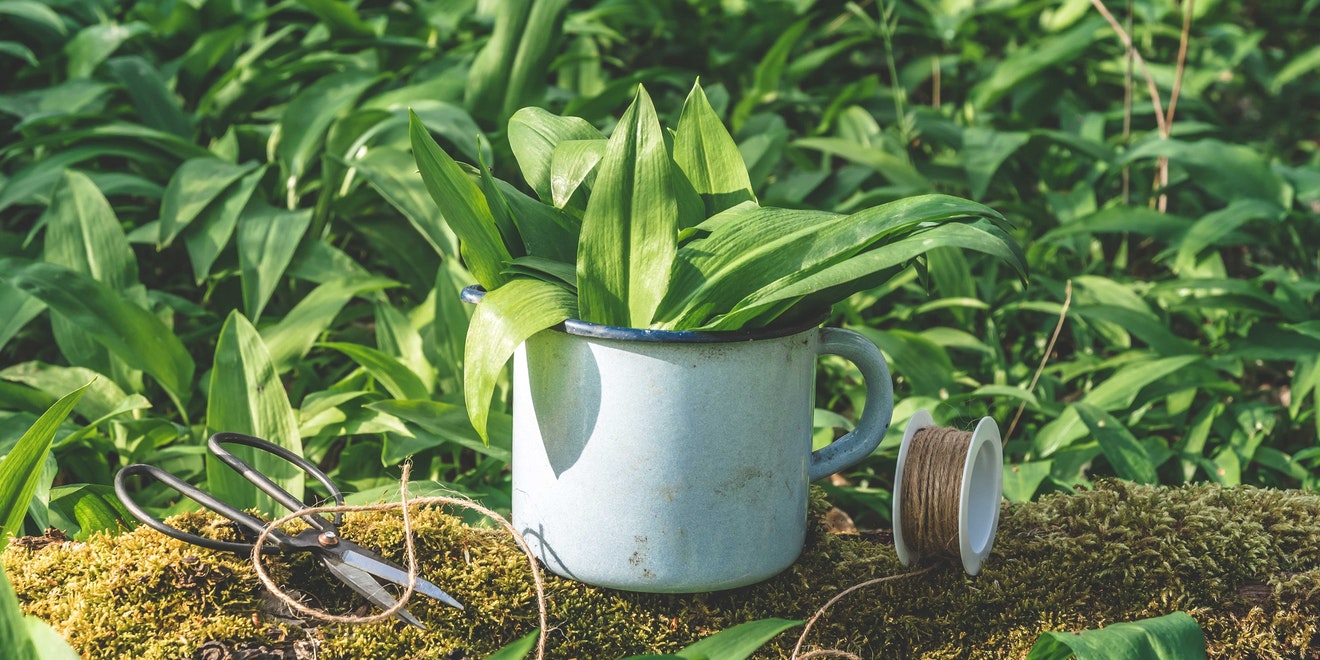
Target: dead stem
pixel 1044 359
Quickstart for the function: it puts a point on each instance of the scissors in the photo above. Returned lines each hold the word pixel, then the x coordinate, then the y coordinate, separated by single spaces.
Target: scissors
pixel 354 565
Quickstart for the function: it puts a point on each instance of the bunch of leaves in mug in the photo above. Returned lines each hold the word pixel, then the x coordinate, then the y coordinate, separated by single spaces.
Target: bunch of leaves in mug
pixel 652 229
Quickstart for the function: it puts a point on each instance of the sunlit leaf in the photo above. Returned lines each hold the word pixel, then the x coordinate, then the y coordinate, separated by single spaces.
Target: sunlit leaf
pixel 21 467
pixel 709 157
pixel 463 206
pixel 246 396
pixel 505 318
pixel 630 229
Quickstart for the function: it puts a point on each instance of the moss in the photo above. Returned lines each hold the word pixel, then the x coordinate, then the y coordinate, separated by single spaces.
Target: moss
pixel 1244 562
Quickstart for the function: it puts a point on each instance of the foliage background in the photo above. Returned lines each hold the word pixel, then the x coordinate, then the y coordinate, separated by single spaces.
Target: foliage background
pixel 211 205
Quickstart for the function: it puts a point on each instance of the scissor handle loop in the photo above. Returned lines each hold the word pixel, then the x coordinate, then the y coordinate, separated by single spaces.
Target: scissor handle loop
pixel 282 541
pixel 261 481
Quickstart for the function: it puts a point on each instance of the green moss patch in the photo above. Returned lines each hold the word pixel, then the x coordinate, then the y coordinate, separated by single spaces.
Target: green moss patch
pixel 1244 562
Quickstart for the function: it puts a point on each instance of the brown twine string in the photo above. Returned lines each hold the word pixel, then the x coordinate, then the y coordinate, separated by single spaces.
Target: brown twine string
pixel 820 653
pixel 932 484
pixel 402 505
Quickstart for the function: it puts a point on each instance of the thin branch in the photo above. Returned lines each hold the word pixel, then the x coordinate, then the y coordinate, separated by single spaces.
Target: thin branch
pixel 1141 63
pixel 1044 359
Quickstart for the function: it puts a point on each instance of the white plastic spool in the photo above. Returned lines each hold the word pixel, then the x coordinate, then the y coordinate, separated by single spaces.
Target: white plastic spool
pixel 979 496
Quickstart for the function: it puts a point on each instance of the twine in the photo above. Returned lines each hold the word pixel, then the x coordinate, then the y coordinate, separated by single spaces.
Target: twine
pixel 836 653
pixel 932 486
pixel 402 505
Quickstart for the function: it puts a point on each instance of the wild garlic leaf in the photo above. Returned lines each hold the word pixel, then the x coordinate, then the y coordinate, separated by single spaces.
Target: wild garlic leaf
pixel 709 157
pixel 505 318
pixel 533 135
pixel 464 207
pixel 630 229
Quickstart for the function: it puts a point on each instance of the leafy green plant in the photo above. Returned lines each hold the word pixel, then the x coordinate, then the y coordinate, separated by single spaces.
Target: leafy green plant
pixel 736 643
pixel 670 237
pixel 1173 636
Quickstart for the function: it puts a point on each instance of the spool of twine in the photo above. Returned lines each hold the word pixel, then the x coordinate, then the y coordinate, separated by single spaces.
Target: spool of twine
pixel 947 490
pixel 932 483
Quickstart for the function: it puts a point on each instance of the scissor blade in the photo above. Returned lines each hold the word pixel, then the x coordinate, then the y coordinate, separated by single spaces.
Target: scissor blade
pixel 396 575
pixel 370 589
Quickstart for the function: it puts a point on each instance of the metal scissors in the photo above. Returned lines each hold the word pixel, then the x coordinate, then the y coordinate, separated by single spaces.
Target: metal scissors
pixel 354 565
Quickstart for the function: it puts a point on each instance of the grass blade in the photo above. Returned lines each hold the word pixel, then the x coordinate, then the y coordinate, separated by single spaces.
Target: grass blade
pixel 630 229
pixel 505 318
pixel 20 470
pixel 246 396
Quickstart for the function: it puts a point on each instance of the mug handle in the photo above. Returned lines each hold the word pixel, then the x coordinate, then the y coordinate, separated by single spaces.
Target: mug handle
pixel 879 411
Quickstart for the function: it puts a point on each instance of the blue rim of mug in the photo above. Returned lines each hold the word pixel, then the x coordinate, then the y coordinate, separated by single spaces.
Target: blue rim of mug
pixel 474 293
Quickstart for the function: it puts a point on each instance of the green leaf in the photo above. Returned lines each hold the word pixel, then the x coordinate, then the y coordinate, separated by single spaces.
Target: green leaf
pixel 895 168
pixel 504 319
pixel 445 422
pixel 1294 69
pixel 1022 480
pixel 510 71
pixel 155 103
pixel 630 229
pixel 194 185
pixel 534 135
pixel 518 649
pixel 134 334
pixel 572 166
pixel 1225 171
pixel 546 231
pixel 21 468
pixel 393 174
pixel 19 51
pixel 83 234
pixel 267 240
pixel 37 12
pixel 1173 636
pixel 93 44
pixel 841 278
pixel 341 17
pixel 247 396
pixel 768 72
pixel 463 206
pixel 94 507
pixel 397 379
pixel 1127 456
pixel 209 233
pixel 738 642
pixel 100 398
pixel 449 324
pixel 1031 59
pixel 398 335
pixel 289 340
pixel 709 157
pixel 984 150
pixel 71 97
pixel 17 309
pixel 1212 228
pixel 307 117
